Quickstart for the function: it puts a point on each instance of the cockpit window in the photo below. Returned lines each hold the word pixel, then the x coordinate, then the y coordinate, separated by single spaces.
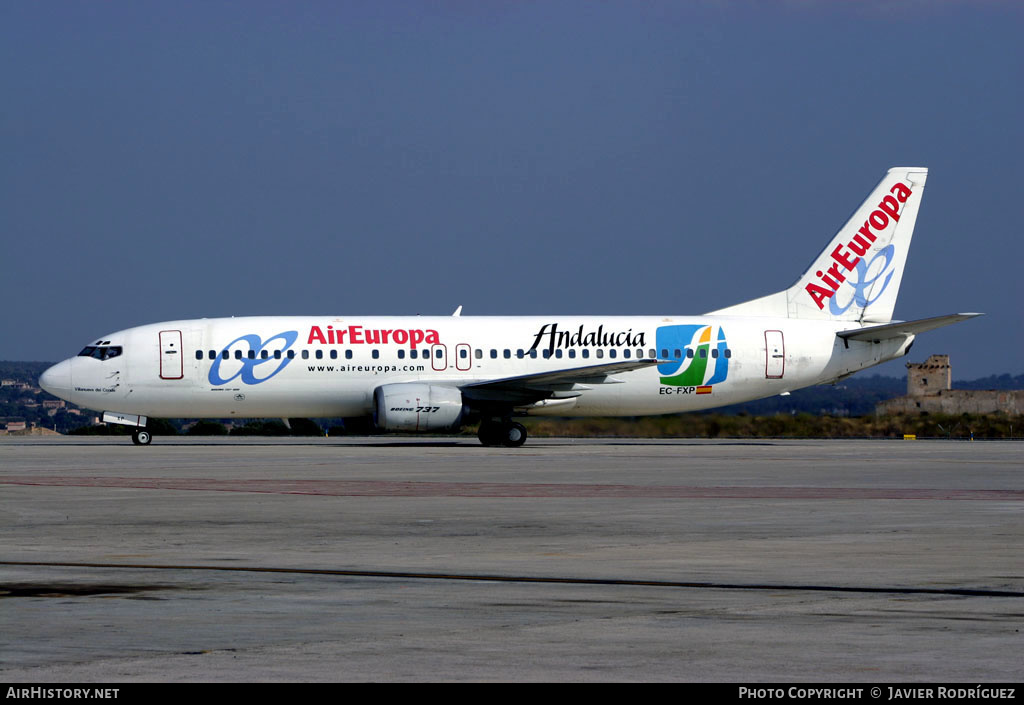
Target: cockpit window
pixel 101 352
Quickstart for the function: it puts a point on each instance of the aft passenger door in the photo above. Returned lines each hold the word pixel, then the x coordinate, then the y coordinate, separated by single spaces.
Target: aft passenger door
pixel 775 354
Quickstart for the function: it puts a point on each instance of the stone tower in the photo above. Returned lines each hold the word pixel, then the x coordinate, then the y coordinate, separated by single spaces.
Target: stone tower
pixel 929 377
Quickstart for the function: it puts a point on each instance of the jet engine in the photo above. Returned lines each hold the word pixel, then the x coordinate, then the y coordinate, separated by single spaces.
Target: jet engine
pixel 417 407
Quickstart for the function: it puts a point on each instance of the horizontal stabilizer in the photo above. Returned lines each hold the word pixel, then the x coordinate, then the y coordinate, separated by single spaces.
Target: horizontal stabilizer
pixel 899 329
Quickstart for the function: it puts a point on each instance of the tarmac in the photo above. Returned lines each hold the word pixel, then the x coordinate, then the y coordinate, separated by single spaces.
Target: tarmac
pixel 436 559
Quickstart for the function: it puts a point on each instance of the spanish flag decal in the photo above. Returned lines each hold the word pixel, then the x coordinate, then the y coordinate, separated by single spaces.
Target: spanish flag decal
pixel 704 390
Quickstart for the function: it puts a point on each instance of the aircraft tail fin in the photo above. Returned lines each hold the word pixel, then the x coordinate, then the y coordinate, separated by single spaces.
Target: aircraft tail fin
pixel 857 276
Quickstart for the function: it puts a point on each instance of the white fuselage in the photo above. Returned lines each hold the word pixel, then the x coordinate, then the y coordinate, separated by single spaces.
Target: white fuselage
pixel 319 366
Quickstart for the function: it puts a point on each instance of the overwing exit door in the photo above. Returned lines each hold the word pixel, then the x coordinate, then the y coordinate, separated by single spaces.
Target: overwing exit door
pixel 439 357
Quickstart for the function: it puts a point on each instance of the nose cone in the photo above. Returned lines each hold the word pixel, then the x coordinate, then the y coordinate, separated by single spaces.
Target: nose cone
pixel 57 379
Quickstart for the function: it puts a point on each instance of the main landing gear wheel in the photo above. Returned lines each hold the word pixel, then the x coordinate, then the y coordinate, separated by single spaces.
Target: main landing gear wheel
pixel 513 435
pixel 141 437
pixel 489 433
pixel 509 434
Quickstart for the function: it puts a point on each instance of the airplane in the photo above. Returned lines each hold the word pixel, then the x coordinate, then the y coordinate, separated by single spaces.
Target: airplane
pixel 434 374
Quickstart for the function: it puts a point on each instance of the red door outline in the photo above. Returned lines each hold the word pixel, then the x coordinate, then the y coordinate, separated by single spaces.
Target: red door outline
pixel 774 354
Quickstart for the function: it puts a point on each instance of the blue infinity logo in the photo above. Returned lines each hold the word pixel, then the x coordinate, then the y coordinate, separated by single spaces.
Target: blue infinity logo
pixel 862 285
pixel 249 362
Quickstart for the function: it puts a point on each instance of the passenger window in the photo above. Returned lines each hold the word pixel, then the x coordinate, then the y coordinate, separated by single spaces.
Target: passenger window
pixel 305 354
pixel 478 353
pixel 600 352
pixel 252 354
pixel 654 354
pixel 463 354
pixel 494 354
pixel 714 353
pixel 413 354
pixel 586 353
pixel 277 354
pixel 533 354
pixel 627 353
pixel 572 354
pixel 334 354
pixel 348 354
pixel 199 354
pixel 401 354
pixel 508 354
pixel 375 354
pixel 703 352
pixel 520 354
pixel 611 353
pixel 547 354
pixel 319 354
pixel 438 353
pixel 558 353
pixel 728 352
pixel 264 355
pixel 678 354
pixel 224 355
pixel 291 354
pixel 238 354
pixel 689 352
pixel 664 353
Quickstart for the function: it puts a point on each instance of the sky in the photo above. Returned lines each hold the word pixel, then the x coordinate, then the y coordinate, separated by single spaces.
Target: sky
pixel 161 161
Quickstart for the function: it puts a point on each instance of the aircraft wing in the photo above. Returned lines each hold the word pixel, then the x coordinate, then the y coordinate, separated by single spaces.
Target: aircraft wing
pixel 899 329
pixel 565 383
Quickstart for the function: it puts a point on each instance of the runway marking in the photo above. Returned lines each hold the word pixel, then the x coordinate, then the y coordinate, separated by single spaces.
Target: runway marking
pixel 401 575
pixel 378 488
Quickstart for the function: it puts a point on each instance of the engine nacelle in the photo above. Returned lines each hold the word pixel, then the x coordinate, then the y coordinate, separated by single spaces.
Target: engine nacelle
pixel 417 407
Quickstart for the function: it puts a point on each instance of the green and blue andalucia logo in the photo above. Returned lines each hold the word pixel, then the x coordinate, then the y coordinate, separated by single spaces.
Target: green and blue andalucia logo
pixel 696 360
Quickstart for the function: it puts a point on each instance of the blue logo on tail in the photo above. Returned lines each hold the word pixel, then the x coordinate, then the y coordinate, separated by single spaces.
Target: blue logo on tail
pixel 862 285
